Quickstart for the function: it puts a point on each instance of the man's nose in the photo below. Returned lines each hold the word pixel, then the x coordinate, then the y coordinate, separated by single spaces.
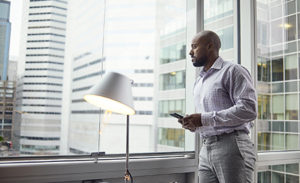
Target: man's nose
pixel 191 53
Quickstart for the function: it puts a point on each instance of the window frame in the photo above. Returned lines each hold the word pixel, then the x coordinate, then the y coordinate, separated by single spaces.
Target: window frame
pixel 70 168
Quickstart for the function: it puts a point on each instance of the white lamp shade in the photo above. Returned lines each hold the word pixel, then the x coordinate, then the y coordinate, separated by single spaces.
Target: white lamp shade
pixel 112 93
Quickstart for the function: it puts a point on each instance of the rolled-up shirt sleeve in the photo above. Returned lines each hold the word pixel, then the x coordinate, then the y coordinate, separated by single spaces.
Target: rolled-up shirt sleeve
pixel 242 93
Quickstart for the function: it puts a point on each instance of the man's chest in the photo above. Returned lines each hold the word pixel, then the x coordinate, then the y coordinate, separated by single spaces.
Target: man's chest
pixel 209 90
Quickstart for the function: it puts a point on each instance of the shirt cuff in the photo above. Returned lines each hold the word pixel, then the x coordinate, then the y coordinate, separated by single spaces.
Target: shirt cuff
pixel 207 119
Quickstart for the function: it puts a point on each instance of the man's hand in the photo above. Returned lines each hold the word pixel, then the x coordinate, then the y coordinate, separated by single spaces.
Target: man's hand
pixel 191 122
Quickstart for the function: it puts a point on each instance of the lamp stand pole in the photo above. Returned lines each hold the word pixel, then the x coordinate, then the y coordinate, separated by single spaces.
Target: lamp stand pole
pixel 127 176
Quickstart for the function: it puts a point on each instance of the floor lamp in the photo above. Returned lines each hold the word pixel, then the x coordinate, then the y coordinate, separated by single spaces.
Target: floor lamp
pixel 114 93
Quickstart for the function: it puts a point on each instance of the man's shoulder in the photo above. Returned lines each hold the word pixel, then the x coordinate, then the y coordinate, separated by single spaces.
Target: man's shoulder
pixel 234 69
pixel 230 65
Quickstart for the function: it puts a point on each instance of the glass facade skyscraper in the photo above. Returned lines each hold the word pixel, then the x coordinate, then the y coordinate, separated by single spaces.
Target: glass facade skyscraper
pixel 5 29
pixel 278 126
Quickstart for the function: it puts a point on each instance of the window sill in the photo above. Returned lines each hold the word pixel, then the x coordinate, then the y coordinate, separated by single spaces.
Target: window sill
pixel 72 170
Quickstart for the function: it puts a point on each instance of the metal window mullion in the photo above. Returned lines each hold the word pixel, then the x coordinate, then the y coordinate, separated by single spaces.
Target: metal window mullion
pixel 238 30
pixel 253 34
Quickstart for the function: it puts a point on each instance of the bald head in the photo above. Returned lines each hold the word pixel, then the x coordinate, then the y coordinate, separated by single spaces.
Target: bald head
pixel 205 49
pixel 207 37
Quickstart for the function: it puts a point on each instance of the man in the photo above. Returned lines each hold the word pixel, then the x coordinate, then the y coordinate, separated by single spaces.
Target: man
pixel 225 102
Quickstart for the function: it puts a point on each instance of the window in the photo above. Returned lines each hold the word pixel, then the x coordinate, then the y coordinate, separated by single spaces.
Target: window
pixel 282 173
pixel 219 17
pixel 64 55
pixel 278 79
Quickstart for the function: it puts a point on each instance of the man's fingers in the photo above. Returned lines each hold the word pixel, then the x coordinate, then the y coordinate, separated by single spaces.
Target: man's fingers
pixel 180 121
pixel 193 129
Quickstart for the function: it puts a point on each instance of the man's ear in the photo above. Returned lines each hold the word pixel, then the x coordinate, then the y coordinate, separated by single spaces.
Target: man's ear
pixel 209 46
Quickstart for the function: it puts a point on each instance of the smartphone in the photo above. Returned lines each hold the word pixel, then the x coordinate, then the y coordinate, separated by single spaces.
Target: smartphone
pixel 176 115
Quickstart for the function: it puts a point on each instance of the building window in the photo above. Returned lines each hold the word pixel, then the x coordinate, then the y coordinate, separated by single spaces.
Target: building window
pixel 172 80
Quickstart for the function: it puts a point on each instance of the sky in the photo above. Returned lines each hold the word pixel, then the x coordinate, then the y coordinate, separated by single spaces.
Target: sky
pixel 16 23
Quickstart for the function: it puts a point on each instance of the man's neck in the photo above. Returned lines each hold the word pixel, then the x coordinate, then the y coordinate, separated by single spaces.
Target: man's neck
pixel 210 62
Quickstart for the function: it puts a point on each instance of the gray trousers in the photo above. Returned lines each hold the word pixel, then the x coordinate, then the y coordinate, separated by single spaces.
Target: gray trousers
pixel 227 158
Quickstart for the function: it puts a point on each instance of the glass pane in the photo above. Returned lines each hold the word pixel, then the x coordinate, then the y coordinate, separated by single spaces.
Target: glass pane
pixel 263 141
pixel 291 86
pixel 276 31
pixel 66 50
pixel 264 107
pixel 289 27
pixel 290 7
pixel 263 70
pixel 276 11
pixel 219 17
pixel 277 87
pixel 290 47
pixel 278 107
pixel 291 107
pixel 280 131
pixel 278 141
pixel 277 69
pixel 283 173
pixel 292 168
pixel 291 66
pixel 278 126
pixel 291 127
pixel 292 141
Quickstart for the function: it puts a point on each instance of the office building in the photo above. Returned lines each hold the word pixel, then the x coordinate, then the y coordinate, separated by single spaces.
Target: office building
pixel 43 45
pixel 7 99
pixel 170 63
pixel 278 76
pixel 5 28
pixel 106 44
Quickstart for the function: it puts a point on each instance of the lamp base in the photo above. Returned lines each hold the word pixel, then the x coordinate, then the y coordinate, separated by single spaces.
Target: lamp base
pixel 127 176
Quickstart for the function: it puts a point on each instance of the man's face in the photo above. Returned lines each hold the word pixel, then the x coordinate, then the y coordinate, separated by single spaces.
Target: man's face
pixel 199 52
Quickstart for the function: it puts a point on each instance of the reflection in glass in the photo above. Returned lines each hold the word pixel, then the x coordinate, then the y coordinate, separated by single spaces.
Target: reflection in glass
pixel 292 141
pixel 291 126
pixel 263 141
pixel 170 137
pixel 280 132
pixel 278 107
pixel 277 69
pixel 173 53
pixel 277 50
pixel 291 86
pixel 173 80
pixel 171 106
pixel 289 26
pixel 278 126
pixel 291 66
pixel 276 31
pixel 219 17
pixel 283 173
pixel 290 47
pixel 291 107
pixel 290 7
pixel 277 88
pixel 264 107
pixel 276 11
pixel 278 141
pixel 263 69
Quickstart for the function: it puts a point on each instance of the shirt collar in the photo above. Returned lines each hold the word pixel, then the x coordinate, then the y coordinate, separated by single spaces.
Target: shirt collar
pixel 218 64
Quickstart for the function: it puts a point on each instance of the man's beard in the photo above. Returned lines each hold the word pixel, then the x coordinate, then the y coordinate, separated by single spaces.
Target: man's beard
pixel 200 62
